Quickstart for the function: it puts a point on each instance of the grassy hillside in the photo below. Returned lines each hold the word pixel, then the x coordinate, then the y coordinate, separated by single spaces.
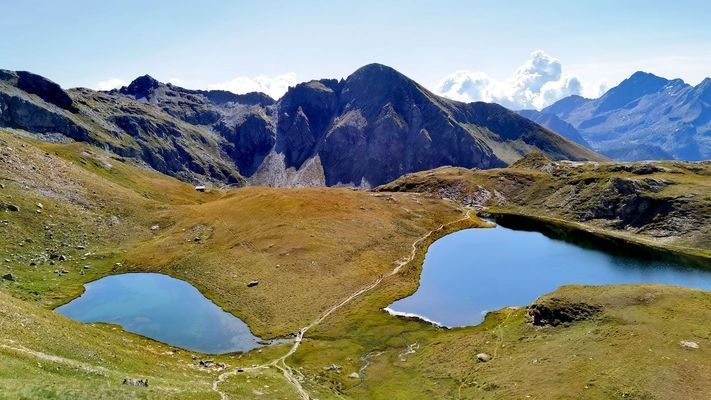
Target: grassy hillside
pixel 328 259
pixel 45 355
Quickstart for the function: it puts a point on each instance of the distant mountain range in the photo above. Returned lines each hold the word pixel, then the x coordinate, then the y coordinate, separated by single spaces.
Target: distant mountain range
pixel 365 130
pixel 644 117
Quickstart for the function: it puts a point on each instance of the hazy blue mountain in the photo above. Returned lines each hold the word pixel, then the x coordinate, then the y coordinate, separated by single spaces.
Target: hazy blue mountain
pixel 644 117
pixel 554 123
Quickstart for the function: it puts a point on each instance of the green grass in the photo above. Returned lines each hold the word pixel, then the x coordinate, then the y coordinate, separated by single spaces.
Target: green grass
pixel 310 248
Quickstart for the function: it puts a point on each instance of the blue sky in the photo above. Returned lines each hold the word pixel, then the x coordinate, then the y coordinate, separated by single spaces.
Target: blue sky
pixel 230 43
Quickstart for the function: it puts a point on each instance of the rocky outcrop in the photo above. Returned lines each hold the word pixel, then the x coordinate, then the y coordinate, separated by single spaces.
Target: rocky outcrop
pixel 39 86
pixel 554 311
pixel 18 110
pixel 135 382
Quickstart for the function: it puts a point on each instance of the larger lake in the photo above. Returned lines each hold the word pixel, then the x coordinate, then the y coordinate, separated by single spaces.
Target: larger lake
pixel 162 308
pixel 473 271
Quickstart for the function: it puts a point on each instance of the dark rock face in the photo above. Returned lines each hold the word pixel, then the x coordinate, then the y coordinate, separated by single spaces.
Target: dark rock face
pixel 221 97
pixel 304 114
pixel 389 126
pixel 22 113
pixel 249 142
pixel 555 311
pixel 52 113
pixel 40 86
pixel 141 87
pixel 644 117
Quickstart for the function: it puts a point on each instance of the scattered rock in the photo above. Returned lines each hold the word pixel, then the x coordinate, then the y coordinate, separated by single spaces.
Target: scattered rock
pixel 155 227
pixel 333 367
pixel 8 277
pixel 252 283
pixel 135 382
pixel 40 206
pixel 354 375
pixel 483 357
pixel 687 344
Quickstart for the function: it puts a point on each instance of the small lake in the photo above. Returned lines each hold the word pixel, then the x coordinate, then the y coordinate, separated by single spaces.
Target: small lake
pixel 162 308
pixel 473 271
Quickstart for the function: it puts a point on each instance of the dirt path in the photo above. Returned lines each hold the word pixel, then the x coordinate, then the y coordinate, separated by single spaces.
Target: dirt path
pixel 293 377
pixel 56 359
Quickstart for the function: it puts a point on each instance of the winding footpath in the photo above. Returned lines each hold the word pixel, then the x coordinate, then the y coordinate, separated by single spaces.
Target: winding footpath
pixel 294 377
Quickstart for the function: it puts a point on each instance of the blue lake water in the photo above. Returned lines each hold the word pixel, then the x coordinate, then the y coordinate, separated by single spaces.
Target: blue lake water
pixel 473 271
pixel 162 308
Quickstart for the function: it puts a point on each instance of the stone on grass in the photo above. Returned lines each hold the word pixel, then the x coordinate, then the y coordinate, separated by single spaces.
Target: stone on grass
pixel 135 382
pixel 688 344
pixel 483 357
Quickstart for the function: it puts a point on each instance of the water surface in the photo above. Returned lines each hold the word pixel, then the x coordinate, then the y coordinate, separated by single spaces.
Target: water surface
pixel 162 308
pixel 473 271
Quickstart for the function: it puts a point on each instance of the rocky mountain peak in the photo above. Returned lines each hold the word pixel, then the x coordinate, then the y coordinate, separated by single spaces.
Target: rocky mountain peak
pixel 638 85
pixel 377 77
pixel 141 87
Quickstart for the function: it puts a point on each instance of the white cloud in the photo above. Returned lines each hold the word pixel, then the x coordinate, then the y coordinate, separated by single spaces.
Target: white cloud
pixel 177 82
pixel 274 86
pixel 537 83
pixel 112 83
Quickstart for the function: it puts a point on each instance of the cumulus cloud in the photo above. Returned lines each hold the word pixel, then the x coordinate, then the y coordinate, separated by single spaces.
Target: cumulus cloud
pixel 537 83
pixel 112 83
pixel 274 86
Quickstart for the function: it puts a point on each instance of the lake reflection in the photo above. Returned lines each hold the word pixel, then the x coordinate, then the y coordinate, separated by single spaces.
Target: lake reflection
pixel 162 308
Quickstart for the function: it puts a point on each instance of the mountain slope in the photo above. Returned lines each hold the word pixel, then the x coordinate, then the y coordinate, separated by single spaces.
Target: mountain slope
pixel 128 128
pixel 378 124
pixel 644 117
pixel 552 122
pixel 365 130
